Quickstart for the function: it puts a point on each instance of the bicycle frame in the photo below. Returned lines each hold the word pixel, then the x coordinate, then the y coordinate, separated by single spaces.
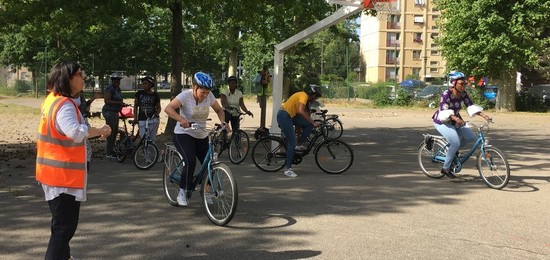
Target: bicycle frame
pixel 479 143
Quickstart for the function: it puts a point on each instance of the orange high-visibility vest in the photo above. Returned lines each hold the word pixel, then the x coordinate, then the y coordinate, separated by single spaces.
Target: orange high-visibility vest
pixel 60 162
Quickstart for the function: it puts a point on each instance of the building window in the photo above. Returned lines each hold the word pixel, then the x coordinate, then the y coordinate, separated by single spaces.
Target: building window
pixel 419 2
pixel 416 71
pixel 434 35
pixel 392 39
pixel 393 21
pixel 417 37
pixel 435 18
pixel 434 53
pixel 435 28
pixel 434 46
pixel 434 70
pixel 391 56
pixel 391 73
pixel 417 54
pixel 434 63
pixel 418 19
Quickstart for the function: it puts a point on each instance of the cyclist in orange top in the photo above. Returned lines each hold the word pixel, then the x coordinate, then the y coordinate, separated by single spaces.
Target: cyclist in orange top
pixel 294 112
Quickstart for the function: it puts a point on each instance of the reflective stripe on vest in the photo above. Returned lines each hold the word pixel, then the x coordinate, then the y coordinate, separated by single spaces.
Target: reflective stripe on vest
pixel 60 162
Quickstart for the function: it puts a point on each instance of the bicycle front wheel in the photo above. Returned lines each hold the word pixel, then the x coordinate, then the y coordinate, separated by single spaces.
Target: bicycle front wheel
pixel 146 155
pixel 121 146
pixel 220 195
pixel 171 176
pixel 238 148
pixel 493 167
pixel 334 128
pixel 333 156
pixel 426 158
pixel 269 154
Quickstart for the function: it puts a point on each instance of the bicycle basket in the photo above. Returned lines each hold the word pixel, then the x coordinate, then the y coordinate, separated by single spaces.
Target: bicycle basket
pixel 127 112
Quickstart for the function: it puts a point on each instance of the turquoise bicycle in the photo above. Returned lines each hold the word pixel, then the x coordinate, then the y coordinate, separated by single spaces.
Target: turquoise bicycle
pixel 491 162
pixel 217 186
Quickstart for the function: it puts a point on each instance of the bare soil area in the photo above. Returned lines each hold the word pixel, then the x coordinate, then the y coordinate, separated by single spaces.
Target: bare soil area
pixel 18 127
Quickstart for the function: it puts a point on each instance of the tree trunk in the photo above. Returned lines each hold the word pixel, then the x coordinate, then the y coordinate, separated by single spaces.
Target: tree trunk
pixel 177 36
pixel 506 96
pixel 233 37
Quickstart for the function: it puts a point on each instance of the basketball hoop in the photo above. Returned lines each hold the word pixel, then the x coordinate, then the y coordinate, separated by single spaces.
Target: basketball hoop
pixel 383 8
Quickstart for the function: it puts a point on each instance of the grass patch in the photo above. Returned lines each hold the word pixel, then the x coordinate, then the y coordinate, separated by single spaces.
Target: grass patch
pixel 14 110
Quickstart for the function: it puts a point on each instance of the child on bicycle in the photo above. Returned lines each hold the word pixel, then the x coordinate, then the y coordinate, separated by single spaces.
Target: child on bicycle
pixel 194 106
pixel 449 123
pixel 147 105
pixel 294 113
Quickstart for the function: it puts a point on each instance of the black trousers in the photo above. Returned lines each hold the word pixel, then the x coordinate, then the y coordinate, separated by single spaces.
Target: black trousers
pixel 191 149
pixel 235 121
pixel 65 210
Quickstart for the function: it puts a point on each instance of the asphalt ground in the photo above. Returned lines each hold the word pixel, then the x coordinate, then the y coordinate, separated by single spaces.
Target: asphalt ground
pixel 382 208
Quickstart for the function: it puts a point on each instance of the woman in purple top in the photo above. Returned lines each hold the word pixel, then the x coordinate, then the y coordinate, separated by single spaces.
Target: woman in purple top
pixel 448 121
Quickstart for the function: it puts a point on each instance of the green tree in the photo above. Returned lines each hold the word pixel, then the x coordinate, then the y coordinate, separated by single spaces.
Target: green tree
pixel 493 38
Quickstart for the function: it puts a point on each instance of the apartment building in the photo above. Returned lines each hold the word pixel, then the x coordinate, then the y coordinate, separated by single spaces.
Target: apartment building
pixel 401 43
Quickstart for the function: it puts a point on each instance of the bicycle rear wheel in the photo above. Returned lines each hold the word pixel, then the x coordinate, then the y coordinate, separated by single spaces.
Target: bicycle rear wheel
pixel 171 175
pixel 493 167
pixel 426 158
pixel 333 156
pixel 269 154
pixel 120 149
pixel 239 146
pixel 219 195
pixel 334 129
pixel 146 155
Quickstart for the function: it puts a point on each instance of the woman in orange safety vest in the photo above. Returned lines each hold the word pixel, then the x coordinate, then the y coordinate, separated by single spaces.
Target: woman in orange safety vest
pixel 61 162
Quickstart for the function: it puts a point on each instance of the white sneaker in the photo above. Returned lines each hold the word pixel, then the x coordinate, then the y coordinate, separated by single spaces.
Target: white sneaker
pixel 290 173
pixel 300 148
pixel 182 198
pixel 208 196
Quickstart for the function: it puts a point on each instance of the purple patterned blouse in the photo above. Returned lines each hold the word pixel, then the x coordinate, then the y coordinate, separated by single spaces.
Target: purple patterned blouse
pixel 449 102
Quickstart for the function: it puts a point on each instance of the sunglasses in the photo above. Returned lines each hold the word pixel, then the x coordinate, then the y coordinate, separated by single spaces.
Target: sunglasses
pixel 81 73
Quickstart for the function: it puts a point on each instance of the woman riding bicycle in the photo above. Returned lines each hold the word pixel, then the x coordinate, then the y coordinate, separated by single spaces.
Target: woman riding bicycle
pixel 194 105
pixel 232 102
pixel 294 112
pixel 448 121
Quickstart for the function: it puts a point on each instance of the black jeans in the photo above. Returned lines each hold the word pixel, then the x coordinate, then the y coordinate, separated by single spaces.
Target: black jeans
pixel 65 210
pixel 191 149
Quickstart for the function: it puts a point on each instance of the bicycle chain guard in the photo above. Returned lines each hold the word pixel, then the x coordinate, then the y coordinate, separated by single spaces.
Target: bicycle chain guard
pixel 297 158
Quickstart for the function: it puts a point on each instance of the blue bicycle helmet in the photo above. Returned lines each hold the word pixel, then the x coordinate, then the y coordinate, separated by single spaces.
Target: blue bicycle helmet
pixel 456 75
pixel 203 80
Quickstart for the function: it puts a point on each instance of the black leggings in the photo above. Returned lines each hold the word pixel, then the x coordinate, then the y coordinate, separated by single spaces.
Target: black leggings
pixel 235 120
pixel 191 149
pixel 65 211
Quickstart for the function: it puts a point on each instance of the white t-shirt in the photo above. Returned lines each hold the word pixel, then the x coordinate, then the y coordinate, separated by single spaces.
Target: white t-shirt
pixel 194 113
pixel 233 101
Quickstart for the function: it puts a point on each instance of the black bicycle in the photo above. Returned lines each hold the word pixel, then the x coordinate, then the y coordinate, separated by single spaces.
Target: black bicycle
pixel 331 155
pixel 238 144
pixel 145 152
pixel 334 127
